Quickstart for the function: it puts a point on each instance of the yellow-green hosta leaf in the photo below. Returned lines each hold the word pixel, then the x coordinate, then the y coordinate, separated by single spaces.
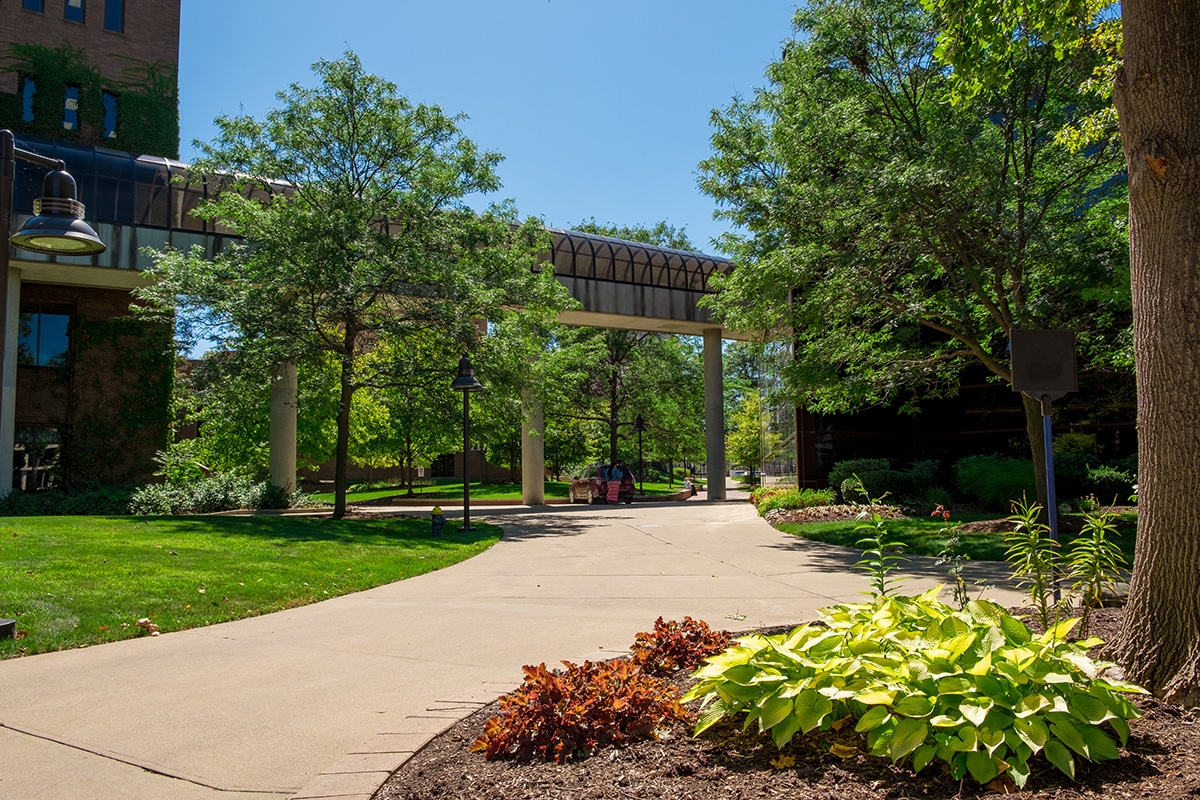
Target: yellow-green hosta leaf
pixel 1099 746
pixel 975 709
pixel 1061 757
pixel 784 731
pixel 873 719
pixel 774 710
pixel 875 697
pixel 955 684
pixel 1031 704
pixel 1016 631
pixel 1122 729
pixel 906 737
pixel 982 766
pixel 811 707
pixel 862 646
pixel 743 674
pixel 991 739
pixel 983 667
pixel 915 705
pixel 709 716
pixel 1033 732
pixel 1059 631
pixel 1086 708
pixel 966 741
pixel 922 756
pixel 946 721
pixel 1068 733
pixel 953 627
pixel 959 645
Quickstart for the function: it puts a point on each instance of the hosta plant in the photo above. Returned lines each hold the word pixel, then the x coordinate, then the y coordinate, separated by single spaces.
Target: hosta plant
pixel 673 646
pixel 924 681
pixel 559 716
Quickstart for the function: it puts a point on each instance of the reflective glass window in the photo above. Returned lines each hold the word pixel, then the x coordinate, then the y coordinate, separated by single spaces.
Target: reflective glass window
pixel 32 5
pixel 71 109
pixel 42 335
pixel 36 458
pixel 27 93
pixel 110 115
pixel 114 15
pixel 73 10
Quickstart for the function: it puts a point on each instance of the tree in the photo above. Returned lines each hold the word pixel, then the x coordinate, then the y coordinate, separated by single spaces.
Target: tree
pixel 751 441
pixel 350 200
pixel 1157 97
pixel 897 239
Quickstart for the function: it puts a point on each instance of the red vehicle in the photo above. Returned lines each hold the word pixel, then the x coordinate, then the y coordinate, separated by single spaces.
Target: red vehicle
pixel 588 487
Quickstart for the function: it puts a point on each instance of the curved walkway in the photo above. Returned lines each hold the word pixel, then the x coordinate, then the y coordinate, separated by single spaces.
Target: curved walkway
pixel 326 700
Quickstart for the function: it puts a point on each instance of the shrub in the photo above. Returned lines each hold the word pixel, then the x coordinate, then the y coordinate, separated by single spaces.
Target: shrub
pixel 994 480
pixel 677 645
pixel 973 688
pixel 105 501
pixel 1110 484
pixel 222 492
pixel 909 486
pixel 562 716
pixel 789 499
pixel 871 471
pixel 761 493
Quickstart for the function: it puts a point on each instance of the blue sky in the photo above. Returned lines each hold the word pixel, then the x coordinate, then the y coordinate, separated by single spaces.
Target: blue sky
pixel 600 108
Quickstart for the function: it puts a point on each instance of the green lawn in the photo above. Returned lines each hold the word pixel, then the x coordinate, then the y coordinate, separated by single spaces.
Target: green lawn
pixel 479 491
pixel 923 535
pixel 71 581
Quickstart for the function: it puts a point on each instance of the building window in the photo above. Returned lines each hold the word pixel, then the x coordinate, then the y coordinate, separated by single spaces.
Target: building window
pixel 27 93
pixel 42 335
pixel 114 15
pixel 36 458
pixel 32 5
pixel 110 115
pixel 73 10
pixel 71 109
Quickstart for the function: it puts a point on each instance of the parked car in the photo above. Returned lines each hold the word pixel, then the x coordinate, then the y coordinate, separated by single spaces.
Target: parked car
pixel 587 487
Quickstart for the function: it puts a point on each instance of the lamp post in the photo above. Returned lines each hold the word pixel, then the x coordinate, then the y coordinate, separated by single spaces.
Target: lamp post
pixel 57 228
pixel 640 427
pixel 466 382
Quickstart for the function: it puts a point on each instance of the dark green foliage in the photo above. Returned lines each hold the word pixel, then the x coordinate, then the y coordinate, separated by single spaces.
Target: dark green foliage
pixel 1110 484
pixel 147 99
pixel 557 717
pixel 675 645
pixel 909 485
pixel 868 471
pixel 994 480
pixel 102 500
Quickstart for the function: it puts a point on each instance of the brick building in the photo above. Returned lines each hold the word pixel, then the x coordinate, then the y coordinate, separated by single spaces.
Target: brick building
pixel 89 81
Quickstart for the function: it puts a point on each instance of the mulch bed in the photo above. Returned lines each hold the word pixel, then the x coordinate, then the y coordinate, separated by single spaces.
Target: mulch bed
pixel 778 516
pixel 1161 762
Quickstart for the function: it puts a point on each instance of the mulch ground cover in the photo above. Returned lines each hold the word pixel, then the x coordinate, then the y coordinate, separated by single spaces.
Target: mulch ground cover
pixel 1161 761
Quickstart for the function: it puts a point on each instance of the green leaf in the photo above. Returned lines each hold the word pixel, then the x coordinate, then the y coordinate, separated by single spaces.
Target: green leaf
pixel 922 756
pixel 875 697
pixel 709 716
pixel 966 741
pixel 1016 631
pixel 1033 732
pixel 907 736
pixel 873 719
pixel 1059 631
pixel 1031 704
pixel 1122 729
pixel 811 707
pixel 982 766
pixel 1059 756
pixel 774 710
pixel 1099 746
pixel 1086 708
pixel 1068 733
pixel 975 709
pixel 1018 769
pixel 956 684
pixel 992 740
pixel 785 730
pixel 915 705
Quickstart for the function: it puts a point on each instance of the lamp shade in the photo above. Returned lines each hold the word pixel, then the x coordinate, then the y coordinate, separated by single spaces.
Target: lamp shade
pixel 466 380
pixel 57 227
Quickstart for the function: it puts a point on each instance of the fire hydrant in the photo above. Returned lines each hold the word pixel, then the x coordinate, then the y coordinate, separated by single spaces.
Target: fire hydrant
pixel 438 519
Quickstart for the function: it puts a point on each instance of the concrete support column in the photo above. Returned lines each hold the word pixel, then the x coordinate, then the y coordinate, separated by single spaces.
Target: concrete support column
pixel 8 381
pixel 283 427
pixel 714 414
pixel 533 453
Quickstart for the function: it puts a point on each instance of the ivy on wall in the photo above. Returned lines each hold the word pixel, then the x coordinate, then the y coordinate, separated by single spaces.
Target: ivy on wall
pixel 147 99
pixel 122 399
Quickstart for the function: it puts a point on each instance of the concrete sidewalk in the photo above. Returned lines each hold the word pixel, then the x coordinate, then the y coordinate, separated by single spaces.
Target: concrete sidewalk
pixel 326 700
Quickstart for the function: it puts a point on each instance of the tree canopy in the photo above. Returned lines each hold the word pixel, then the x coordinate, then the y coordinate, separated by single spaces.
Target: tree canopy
pixel 350 201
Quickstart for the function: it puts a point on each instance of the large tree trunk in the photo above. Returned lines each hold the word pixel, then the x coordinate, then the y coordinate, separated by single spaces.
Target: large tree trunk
pixel 1158 99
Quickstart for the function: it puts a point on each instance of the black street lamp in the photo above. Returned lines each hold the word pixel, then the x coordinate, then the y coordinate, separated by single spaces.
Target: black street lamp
pixel 466 382
pixel 57 228
pixel 640 427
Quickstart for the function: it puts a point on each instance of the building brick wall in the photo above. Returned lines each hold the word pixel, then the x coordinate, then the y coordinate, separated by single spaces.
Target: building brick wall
pixel 151 34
